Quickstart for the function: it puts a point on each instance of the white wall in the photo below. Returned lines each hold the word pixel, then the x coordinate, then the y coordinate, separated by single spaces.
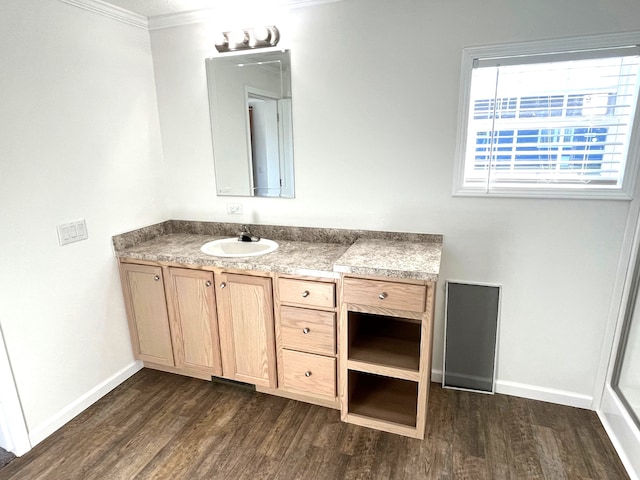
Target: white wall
pixel 79 138
pixel 375 91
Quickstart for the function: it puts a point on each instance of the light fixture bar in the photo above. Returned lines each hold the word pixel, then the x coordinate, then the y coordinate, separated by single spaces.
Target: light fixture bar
pixel 257 37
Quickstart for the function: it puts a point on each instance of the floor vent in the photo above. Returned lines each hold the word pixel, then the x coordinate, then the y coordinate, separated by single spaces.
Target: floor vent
pixel 233 383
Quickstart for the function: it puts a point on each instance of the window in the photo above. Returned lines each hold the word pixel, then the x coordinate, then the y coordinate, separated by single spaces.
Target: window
pixel 536 121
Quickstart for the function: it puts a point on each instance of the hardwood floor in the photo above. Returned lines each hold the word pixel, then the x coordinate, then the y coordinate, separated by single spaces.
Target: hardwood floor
pixel 163 426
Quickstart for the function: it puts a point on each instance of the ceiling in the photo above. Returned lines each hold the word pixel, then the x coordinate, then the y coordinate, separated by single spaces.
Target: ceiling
pixel 154 8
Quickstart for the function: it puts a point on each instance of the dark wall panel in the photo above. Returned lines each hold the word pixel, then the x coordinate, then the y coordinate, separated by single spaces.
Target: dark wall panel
pixel 470 338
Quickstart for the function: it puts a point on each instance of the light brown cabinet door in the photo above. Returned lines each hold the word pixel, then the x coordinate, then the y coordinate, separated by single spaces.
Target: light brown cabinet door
pixel 144 294
pixel 195 323
pixel 245 318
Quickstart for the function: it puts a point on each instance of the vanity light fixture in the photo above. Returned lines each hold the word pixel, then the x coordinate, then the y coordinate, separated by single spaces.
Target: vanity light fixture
pixel 258 37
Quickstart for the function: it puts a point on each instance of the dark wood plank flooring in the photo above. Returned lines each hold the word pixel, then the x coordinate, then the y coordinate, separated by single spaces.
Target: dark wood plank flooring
pixel 163 426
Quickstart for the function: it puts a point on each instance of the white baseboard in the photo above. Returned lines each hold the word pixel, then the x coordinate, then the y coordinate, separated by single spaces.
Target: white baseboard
pixel 534 392
pixel 551 395
pixel 76 407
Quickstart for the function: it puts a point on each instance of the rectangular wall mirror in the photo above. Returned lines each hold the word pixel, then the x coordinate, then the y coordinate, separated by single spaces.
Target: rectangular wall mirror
pixel 251 124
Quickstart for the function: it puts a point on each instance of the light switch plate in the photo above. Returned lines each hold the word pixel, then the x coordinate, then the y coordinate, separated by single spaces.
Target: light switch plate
pixel 72 232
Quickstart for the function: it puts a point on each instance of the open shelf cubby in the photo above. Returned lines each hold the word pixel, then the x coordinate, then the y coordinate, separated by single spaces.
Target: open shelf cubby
pixel 384 340
pixel 383 398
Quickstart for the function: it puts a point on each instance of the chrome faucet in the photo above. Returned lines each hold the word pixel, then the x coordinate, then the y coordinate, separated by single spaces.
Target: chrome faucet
pixel 246 236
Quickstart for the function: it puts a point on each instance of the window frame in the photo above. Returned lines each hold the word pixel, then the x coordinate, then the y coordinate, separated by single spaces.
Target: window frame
pixel 542 47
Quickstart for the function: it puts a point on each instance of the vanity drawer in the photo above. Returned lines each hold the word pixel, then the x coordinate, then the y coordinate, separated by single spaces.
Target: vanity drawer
pixel 307 293
pixel 383 294
pixel 308 330
pixel 309 373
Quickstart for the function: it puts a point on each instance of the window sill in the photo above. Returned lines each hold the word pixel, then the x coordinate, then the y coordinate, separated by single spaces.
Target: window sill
pixel 544 193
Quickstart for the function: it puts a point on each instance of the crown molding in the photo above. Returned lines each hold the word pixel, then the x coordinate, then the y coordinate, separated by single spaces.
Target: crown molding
pixel 172 19
pixel 199 16
pixel 111 11
pixel 184 18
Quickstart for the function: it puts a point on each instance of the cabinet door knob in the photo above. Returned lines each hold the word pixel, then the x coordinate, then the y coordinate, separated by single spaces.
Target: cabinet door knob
pixel 156 277
pixel 382 296
pixel 305 294
pixel 307 373
pixel 208 283
pixel 223 285
pixel 305 330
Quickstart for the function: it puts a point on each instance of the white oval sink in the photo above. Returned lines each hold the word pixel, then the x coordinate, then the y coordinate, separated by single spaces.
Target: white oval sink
pixel 232 247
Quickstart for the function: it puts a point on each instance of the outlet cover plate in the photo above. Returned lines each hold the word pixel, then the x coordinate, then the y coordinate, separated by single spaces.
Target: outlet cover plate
pixel 234 208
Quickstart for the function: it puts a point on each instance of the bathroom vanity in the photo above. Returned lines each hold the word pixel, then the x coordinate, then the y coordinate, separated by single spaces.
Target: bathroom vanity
pixel 338 318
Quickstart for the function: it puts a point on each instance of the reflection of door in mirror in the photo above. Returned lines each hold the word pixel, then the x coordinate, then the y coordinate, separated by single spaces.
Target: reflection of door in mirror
pixel 251 124
pixel 265 151
pixel 285 140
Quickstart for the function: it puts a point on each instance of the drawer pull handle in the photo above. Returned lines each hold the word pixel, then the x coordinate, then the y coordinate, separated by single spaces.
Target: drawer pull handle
pixel 156 278
pixel 382 296
pixel 223 285
pixel 307 373
pixel 305 294
pixel 208 283
pixel 305 330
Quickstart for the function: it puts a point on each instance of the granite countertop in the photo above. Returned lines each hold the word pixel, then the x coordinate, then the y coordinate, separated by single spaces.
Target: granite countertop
pixel 391 258
pixel 302 251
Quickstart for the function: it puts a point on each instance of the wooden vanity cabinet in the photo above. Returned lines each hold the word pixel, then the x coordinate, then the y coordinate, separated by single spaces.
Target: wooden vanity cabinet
pixel 200 323
pixel 194 321
pixel 306 339
pixel 373 364
pixel 385 363
pixel 246 324
pixel 144 294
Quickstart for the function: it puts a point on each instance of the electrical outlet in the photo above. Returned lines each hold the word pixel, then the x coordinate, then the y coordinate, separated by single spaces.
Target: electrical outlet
pixel 72 232
pixel 234 208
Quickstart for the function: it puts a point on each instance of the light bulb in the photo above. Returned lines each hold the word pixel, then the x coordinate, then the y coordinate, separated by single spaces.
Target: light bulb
pixel 238 37
pixel 221 39
pixel 261 34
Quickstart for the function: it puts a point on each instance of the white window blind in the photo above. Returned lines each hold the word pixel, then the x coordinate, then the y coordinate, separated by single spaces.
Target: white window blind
pixel 551 121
